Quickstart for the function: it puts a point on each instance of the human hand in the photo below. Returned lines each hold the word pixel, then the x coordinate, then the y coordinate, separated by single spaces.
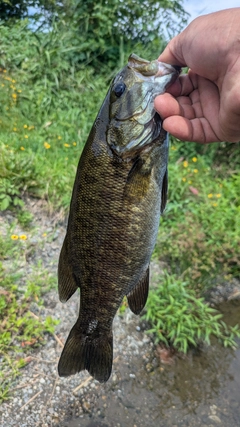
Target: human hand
pixel 204 105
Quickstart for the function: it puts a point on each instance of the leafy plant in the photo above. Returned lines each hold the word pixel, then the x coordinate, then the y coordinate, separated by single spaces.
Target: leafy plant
pixel 24 218
pixel 16 176
pixel 180 320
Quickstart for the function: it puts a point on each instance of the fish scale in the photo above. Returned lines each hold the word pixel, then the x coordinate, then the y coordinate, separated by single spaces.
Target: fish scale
pixel 119 193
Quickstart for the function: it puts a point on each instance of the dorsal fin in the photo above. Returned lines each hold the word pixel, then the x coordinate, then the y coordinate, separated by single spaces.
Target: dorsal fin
pixel 138 296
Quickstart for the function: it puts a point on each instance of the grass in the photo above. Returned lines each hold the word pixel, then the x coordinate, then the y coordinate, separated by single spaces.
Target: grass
pixel 201 222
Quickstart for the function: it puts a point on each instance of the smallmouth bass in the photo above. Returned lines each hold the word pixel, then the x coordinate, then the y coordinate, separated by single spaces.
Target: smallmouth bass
pixel 119 192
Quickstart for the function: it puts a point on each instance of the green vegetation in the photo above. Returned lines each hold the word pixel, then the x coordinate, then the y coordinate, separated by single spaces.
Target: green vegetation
pixel 199 241
pixel 202 218
pixel 181 320
pixel 53 79
pixel 20 328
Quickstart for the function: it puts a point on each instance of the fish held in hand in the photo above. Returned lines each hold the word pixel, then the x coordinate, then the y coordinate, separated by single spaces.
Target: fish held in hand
pixel 119 192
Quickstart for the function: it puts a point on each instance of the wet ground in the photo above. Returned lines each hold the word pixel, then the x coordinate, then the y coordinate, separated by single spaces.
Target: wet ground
pixel 201 390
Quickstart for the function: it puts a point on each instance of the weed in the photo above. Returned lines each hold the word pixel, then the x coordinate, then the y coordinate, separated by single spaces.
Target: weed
pixel 24 218
pixel 180 320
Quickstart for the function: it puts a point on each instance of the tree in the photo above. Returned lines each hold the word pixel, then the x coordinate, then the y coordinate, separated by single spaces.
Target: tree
pixel 102 32
pixel 11 10
pixel 104 29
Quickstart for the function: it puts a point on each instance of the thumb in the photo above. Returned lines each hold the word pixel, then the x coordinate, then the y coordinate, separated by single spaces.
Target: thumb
pixel 172 54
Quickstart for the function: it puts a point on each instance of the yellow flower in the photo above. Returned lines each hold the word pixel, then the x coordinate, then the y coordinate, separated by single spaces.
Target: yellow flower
pixel 23 237
pixel 44 234
pixel 74 143
pixel 195 170
pixel 189 182
pixel 194 159
pixel 214 204
pixel 59 137
pixel 184 179
pixel 4 71
pixel 14 95
pixel 218 195
pixel 3 84
pixel 173 148
pixel 14 129
pixel 22 148
pixel 19 91
pixel 185 164
pixel 67 145
pixel 14 81
pixel 46 145
pixel 25 126
pixel 210 195
pixel 25 136
pixel 14 236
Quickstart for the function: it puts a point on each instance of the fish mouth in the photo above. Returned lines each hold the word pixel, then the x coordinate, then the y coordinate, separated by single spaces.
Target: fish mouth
pixel 153 69
pixel 165 69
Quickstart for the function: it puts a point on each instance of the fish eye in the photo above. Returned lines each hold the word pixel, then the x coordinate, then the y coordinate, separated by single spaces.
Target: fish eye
pixel 119 88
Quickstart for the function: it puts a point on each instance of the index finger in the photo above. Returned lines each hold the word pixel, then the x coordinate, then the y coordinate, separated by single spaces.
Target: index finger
pixel 184 85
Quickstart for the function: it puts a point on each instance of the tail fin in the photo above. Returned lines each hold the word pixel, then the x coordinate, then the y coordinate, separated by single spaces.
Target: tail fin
pixel 92 352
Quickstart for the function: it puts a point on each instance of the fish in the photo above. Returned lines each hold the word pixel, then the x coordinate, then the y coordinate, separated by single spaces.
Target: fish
pixel 119 193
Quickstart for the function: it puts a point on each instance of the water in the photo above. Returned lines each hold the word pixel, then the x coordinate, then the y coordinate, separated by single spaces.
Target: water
pixel 201 390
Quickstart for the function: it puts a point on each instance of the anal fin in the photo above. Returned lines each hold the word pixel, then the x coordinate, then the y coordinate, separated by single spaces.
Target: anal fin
pixel 66 282
pixel 138 296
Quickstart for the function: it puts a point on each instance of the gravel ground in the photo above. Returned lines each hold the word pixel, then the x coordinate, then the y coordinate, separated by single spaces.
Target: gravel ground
pixel 141 392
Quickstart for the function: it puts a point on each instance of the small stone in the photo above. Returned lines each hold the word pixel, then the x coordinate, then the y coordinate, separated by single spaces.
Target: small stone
pixel 215 418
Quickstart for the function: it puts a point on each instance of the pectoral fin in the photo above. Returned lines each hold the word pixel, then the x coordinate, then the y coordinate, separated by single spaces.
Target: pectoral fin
pixel 66 282
pixel 164 191
pixel 138 296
